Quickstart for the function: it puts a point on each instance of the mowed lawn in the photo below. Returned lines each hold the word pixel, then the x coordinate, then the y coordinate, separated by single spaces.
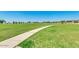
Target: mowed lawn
pixel 57 36
pixel 10 30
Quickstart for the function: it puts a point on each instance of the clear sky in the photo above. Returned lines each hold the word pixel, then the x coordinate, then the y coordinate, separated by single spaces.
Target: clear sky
pixel 39 15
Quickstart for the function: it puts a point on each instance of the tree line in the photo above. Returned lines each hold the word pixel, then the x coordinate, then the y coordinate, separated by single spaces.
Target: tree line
pixel 62 22
pixel 12 22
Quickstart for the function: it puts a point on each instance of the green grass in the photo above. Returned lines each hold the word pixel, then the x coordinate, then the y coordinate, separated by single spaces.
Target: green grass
pixel 10 30
pixel 57 36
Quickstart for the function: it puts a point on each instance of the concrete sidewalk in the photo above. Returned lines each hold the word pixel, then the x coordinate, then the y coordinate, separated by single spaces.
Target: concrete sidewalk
pixel 14 41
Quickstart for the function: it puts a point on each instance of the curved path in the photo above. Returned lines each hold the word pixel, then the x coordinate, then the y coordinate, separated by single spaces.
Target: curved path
pixel 14 41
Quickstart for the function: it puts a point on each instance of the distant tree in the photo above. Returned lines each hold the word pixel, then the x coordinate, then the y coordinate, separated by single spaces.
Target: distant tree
pixel 2 21
pixel 69 21
pixel 76 21
pixel 14 22
pixel 19 22
pixel 29 22
pixel 62 22
pixel 46 22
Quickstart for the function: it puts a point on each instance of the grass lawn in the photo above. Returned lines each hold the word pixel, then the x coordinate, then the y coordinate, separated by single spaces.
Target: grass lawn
pixel 57 36
pixel 10 30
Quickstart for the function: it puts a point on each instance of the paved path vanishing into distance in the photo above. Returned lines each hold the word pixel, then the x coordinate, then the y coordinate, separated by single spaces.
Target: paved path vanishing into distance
pixel 14 41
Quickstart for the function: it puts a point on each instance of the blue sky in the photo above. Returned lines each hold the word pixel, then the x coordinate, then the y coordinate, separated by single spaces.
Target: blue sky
pixel 39 15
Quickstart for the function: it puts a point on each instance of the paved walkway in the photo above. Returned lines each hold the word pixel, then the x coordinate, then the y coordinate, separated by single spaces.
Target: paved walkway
pixel 14 41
